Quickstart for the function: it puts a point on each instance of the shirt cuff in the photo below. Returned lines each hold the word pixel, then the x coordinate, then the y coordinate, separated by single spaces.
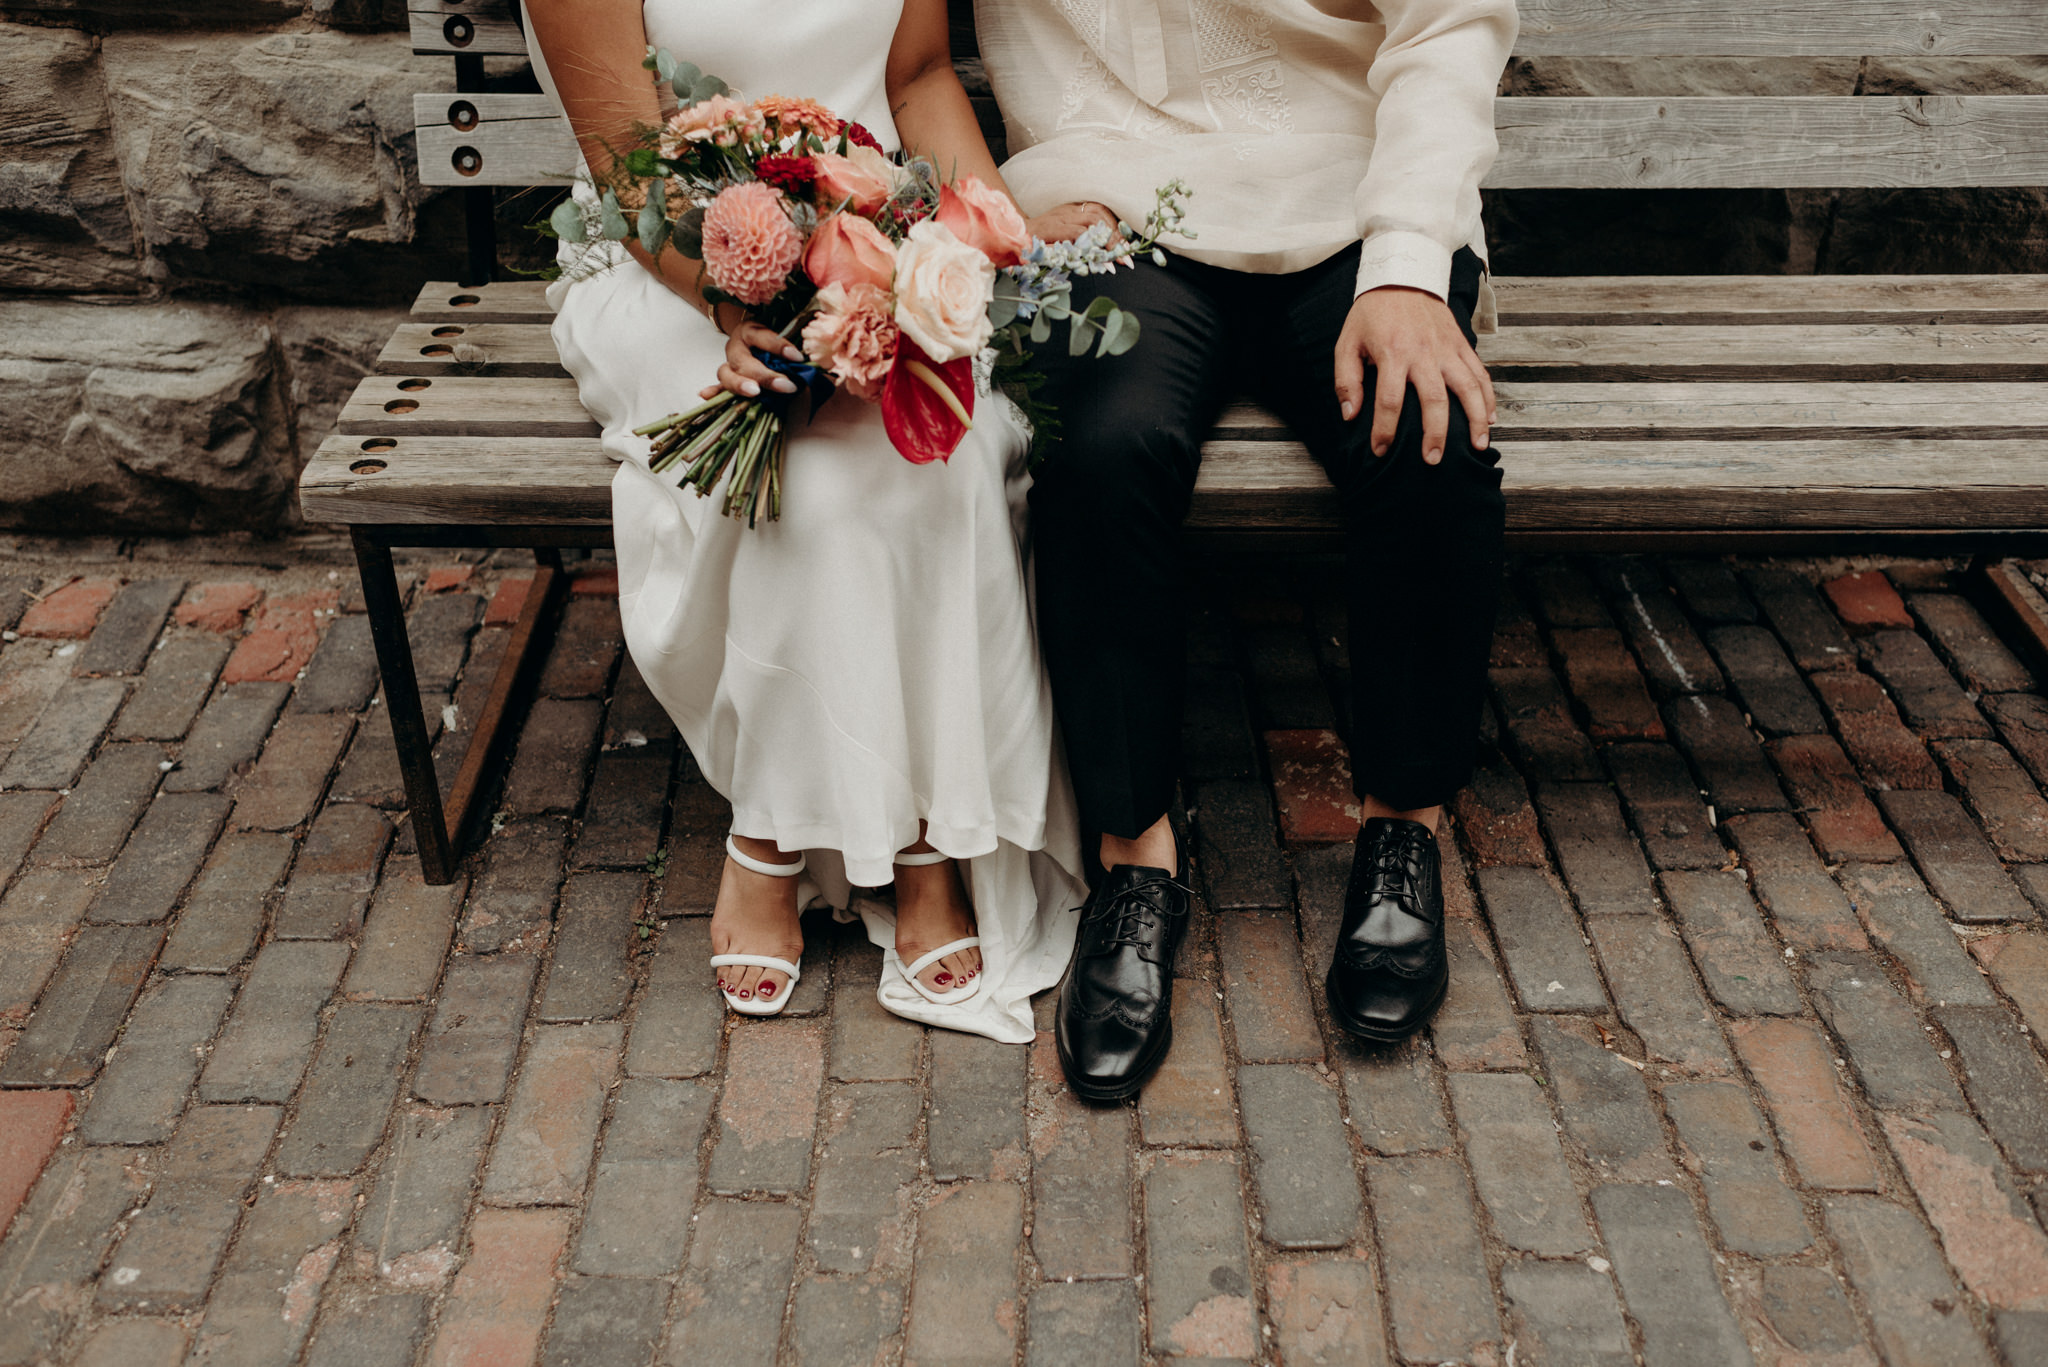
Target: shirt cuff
pixel 1415 260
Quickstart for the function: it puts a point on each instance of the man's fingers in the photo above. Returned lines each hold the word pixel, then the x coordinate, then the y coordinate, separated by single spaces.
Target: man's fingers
pixel 1464 382
pixel 1436 415
pixel 1486 388
pixel 1350 379
pixel 1388 396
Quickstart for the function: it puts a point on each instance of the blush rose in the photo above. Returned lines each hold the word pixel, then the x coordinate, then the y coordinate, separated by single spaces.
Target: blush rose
pixel 942 292
pixel 848 250
pixel 985 219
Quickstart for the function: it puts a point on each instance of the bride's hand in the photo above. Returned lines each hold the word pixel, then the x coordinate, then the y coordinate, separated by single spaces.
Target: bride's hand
pixel 1065 222
pixel 743 372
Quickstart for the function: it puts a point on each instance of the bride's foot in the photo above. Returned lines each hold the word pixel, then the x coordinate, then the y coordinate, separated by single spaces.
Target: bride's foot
pixel 932 910
pixel 756 913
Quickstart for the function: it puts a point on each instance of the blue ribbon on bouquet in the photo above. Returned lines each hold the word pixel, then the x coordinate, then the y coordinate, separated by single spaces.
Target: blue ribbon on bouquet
pixel 807 376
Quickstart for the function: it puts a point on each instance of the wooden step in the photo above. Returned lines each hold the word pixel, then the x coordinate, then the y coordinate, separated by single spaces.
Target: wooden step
pixel 386 405
pixel 1552 301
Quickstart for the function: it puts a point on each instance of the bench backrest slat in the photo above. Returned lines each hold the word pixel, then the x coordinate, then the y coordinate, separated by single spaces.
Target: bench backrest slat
pixel 1782 28
pixel 1546 142
pixel 1568 28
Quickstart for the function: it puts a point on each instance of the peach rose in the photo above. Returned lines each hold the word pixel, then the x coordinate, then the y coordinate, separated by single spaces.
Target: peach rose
pixel 985 219
pixel 942 292
pixel 854 337
pixel 848 250
pixel 750 245
pixel 863 175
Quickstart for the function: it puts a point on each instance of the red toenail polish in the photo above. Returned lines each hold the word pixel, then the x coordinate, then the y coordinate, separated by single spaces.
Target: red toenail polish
pixel 942 979
pixel 744 995
pixel 767 989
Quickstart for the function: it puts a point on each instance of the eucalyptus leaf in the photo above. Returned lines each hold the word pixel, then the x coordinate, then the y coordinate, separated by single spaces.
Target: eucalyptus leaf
pixel 651 226
pixel 611 221
pixel 1002 310
pixel 567 221
pixel 1080 338
pixel 665 64
pixel 1123 334
pixel 1041 329
pixel 689 233
pixel 1100 308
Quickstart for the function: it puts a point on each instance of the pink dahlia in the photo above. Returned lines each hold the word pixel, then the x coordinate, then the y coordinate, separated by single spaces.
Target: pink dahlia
pixel 750 245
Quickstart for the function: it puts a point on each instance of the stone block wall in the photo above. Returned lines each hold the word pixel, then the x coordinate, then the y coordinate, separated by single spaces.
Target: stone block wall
pixel 210 218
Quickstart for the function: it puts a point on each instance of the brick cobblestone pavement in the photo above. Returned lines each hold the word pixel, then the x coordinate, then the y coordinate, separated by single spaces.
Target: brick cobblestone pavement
pixel 1741 1062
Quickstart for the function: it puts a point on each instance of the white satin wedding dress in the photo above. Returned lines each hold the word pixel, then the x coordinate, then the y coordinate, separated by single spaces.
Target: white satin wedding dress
pixel 869 661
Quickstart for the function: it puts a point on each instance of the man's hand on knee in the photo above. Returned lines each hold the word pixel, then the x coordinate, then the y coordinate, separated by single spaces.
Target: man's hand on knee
pixel 1410 338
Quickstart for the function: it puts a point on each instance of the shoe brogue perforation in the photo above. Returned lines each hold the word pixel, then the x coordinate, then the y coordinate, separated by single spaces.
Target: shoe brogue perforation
pixel 1391 968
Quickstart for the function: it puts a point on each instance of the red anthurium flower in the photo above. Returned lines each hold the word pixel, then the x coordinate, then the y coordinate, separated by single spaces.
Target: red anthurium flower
pixel 927 407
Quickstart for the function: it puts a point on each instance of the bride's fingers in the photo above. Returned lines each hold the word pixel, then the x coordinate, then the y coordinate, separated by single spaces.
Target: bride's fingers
pixel 767 339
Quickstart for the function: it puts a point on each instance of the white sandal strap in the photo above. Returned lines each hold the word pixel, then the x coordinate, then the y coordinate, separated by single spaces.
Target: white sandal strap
pixel 757 961
pixel 747 861
pixel 924 961
pixel 924 860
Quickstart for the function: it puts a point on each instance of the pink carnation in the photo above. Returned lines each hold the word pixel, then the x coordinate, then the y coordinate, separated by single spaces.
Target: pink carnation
pixel 750 245
pixel 854 337
pixel 720 119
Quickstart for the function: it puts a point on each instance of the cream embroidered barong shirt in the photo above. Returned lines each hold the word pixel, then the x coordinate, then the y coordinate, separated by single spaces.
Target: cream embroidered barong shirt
pixel 1301 128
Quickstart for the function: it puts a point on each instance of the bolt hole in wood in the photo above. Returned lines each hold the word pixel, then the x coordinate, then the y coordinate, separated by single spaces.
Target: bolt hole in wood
pixel 401 405
pixel 448 332
pixel 458 31
pixel 467 161
pixel 465 301
pixel 437 349
pixel 381 444
pixel 366 467
pixel 414 385
pixel 462 116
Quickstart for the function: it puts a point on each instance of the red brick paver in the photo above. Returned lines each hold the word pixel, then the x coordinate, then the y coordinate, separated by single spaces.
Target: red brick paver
pixel 1676 1095
pixel 70 612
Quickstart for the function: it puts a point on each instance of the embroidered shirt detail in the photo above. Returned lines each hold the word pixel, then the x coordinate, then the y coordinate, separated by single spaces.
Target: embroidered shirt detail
pixel 1255 95
pixel 1226 34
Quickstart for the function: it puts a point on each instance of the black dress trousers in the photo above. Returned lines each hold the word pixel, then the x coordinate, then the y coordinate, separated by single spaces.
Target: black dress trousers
pixel 1422 561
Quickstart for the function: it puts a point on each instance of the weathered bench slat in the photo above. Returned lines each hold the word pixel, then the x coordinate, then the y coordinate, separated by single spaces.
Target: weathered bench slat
pixel 1538 410
pixel 1551 301
pixel 1764 300
pixel 1601 142
pixel 453 28
pixel 1838 484
pixel 1861 351
pixel 452 480
pixel 1774 142
pixel 1579 28
pixel 1880 484
pixel 1800 28
pixel 463 406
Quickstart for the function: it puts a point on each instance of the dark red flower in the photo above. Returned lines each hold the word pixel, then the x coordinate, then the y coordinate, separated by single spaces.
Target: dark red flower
pixel 860 137
pixel 791 175
pixel 921 424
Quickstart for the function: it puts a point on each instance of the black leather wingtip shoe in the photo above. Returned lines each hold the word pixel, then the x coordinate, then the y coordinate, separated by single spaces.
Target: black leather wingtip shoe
pixel 1115 1020
pixel 1391 969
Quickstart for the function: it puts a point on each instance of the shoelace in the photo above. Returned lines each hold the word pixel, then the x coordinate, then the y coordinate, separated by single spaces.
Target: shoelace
pixel 1134 915
pixel 1394 862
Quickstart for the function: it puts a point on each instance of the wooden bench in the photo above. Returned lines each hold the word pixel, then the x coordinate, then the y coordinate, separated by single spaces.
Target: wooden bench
pixel 1754 412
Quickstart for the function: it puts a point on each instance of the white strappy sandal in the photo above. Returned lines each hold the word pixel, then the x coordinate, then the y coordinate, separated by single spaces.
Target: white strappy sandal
pixel 924 961
pixel 794 970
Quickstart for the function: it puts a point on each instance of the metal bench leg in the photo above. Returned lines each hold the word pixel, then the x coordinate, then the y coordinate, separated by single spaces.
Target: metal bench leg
pixel 402 705
pixel 505 705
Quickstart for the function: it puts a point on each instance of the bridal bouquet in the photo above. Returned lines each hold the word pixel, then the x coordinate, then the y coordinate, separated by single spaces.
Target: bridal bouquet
pixel 894 280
